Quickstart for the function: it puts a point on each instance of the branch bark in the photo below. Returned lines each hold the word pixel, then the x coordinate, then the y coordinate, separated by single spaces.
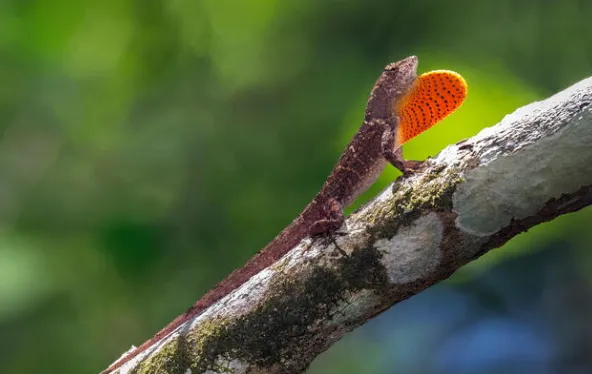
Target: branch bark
pixel 533 166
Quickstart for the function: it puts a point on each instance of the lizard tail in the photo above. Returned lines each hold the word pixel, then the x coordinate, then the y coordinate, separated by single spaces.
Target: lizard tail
pixel 287 239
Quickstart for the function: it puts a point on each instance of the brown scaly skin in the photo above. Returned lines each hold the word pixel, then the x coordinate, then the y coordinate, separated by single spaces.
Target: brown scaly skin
pixel 373 146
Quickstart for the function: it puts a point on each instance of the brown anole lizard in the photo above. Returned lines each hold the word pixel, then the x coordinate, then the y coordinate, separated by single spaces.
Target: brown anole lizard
pixel 401 106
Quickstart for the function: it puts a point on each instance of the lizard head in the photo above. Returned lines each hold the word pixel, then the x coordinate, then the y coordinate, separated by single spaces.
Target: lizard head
pixel 402 69
pixel 393 85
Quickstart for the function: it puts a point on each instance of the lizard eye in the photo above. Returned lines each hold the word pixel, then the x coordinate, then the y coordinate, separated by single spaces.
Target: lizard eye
pixel 410 63
pixel 435 95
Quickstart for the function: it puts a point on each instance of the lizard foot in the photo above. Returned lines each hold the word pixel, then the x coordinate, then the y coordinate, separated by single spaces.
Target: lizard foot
pixel 409 167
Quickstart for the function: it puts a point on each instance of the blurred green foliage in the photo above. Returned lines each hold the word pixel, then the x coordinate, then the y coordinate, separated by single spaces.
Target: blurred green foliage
pixel 149 147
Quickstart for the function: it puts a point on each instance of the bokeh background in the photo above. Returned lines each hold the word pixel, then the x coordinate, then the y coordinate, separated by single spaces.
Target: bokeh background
pixel 149 147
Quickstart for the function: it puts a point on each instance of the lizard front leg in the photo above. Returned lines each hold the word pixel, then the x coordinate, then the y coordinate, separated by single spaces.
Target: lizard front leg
pixel 395 156
pixel 332 221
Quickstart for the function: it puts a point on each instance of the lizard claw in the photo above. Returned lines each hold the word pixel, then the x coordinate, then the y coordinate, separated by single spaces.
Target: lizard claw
pixel 340 233
pixel 411 167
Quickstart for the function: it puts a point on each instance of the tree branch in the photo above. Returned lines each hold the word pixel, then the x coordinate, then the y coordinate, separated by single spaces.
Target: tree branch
pixel 535 165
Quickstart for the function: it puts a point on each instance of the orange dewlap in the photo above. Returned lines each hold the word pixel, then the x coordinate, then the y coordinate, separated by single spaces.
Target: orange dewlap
pixel 435 95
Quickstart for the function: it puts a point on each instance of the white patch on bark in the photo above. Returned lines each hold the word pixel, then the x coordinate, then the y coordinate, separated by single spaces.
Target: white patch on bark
pixel 517 177
pixel 414 252
pixel 224 365
pixel 356 305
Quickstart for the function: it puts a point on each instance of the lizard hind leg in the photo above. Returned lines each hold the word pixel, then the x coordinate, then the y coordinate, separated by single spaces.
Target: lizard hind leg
pixel 328 227
pixel 331 222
